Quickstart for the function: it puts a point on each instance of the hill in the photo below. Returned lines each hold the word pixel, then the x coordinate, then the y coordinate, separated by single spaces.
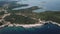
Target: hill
pixel 50 15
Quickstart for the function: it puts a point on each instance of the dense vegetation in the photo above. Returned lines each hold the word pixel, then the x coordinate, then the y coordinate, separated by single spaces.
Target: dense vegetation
pixel 50 15
pixel 16 18
pixel 1 23
pixel 19 19
pixel 2 13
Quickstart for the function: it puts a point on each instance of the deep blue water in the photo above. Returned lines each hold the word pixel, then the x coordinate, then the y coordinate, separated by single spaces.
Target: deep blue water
pixel 45 29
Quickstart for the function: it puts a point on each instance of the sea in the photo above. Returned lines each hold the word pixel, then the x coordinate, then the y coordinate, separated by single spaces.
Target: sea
pixel 47 28
pixel 51 5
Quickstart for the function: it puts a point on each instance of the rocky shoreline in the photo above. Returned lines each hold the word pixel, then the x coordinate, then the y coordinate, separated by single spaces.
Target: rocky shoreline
pixel 23 25
pixel 27 25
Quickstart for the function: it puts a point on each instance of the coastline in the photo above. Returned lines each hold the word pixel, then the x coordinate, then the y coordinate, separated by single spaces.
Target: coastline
pixel 33 25
pixel 27 25
pixel 23 25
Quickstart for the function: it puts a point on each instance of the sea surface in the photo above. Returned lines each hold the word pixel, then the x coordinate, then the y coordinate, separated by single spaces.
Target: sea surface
pixel 53 5
pixel 45 29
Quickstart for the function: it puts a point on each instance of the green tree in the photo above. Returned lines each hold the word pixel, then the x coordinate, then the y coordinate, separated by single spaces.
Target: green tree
pixel 15 18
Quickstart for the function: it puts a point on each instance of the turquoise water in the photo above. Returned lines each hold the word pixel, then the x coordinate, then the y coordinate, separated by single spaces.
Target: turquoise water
pixel 45 29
